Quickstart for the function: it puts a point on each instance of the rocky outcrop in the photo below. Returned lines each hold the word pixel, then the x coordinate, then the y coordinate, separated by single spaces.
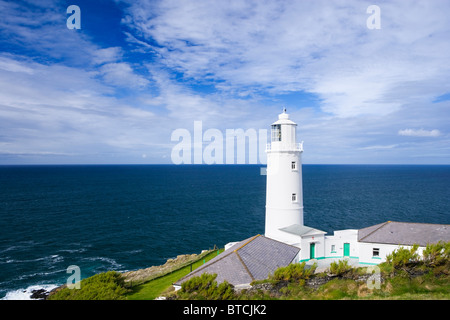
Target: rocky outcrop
pixel 40 294
pixel 143 275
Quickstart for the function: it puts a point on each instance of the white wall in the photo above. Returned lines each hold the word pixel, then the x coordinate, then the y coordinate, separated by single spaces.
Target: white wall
pixel 338 239
pixel 282 182
pixel 359 250
pixel 303 243
pixel 285 237
pixel 319 240
pixel 366 252
pixel 323 246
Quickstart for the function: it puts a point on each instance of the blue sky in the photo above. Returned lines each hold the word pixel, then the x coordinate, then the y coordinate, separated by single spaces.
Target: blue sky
pixel 115 90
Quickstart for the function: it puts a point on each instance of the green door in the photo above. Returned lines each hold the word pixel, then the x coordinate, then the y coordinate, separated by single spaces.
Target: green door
pixel 346 249
pixel 312 250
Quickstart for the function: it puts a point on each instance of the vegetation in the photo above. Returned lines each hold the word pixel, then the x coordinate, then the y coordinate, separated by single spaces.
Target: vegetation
pixel 205 287
pixel 156 287
pixel 102 286
pixel 295 272
pixel 339 268
pixel 403 257
pixel 112 286
pixel 404 275
pixel 437 254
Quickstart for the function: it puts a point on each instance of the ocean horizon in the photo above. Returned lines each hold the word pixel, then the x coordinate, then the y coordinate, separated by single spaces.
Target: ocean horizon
pixel 128 217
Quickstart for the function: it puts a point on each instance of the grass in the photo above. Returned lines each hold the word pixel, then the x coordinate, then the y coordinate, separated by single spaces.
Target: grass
pixel 154 288
pixel 103 286
pixel 403 280
pixel 427 286
pixel 433 283
pixel 399 287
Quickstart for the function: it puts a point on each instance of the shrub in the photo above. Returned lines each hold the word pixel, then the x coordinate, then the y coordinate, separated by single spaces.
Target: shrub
pixel 402 257
pixel 437 253
pixel 340 267
pixel 293 272
pixel 102 286
pixel 205 287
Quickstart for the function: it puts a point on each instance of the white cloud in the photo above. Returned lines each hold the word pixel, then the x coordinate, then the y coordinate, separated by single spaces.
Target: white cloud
pixel 40 29
pixel 185 105
pixel 320 47
pixel 62 111
pixel 121 74
pixel 419 133
pixel 365 83
pixel 390 146
pixel 12 65
pixel 104 55
pixel 65 95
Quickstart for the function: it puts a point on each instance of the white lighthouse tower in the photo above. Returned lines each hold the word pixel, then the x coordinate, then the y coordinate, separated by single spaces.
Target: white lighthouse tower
pixel 284 194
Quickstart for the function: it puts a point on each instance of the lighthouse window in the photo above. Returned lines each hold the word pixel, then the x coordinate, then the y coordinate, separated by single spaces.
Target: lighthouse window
pixel 294 197
pixel 294 165
pixel 276 132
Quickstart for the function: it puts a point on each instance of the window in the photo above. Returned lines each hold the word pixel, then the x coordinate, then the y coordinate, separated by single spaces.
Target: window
pixel 376 252
pixel 276 132
pixel 294 197
pixel 294 165
pixel 333 248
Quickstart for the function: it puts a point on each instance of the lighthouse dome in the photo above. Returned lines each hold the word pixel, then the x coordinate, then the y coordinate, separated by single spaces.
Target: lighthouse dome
pixel 283 118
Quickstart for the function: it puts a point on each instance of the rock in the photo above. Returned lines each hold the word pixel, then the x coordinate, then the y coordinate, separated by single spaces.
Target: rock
pixel 40 294
pixel 142 275
pixel 316 282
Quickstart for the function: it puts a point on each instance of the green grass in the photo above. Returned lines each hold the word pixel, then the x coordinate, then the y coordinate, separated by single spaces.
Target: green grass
pixel 154 288
pixel 433 284
pixel 399 287
pixel 103 286
pixel 431 281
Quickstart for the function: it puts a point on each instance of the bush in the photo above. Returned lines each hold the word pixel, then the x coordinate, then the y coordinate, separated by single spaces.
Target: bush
pixel 340 267
pixel 102 286
pixel 402 257
pixel 437 253
pixel 293 272
pixel 205 287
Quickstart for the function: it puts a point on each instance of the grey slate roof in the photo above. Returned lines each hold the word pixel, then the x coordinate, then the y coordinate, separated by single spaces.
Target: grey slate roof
pixel 405 233
pixel 248 260
pixel 300 230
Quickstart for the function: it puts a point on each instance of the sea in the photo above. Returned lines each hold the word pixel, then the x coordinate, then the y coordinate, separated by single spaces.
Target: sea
pixel 129 217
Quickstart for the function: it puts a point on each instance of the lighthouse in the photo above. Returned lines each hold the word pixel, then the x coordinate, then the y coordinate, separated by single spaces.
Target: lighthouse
pixel 284 194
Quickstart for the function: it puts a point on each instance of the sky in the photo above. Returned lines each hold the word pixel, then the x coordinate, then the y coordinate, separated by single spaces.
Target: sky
pixel 364 87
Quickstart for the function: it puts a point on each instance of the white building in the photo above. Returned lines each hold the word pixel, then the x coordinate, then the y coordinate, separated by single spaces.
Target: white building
pixel 284 212
pixel 287 240
pixel 284 194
